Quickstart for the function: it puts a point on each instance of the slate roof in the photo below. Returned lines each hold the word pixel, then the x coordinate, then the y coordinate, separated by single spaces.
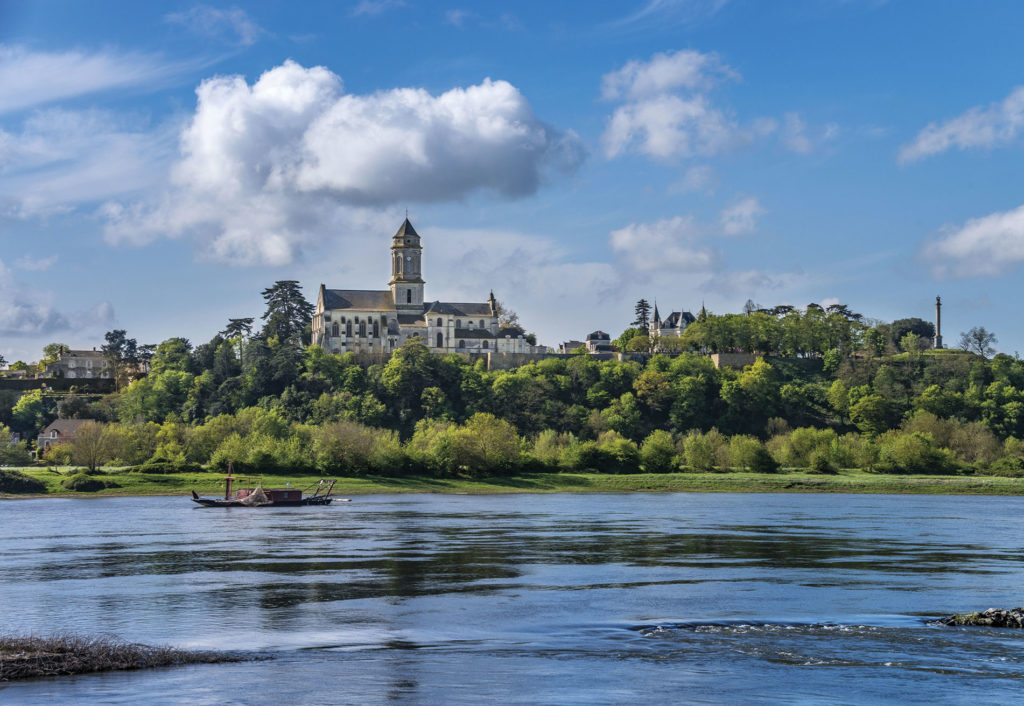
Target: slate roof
pixel 359 299
pixel 672 320
pixel 411 320
pixel 406 229
pixel 460 309
pixel 598 336
pixel 65 428
pixel 472 333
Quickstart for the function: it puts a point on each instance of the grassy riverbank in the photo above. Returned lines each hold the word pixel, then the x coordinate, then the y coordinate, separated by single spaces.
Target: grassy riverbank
pixel 209 483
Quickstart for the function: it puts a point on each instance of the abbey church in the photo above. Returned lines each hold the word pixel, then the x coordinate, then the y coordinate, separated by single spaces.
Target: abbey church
pixel 378 321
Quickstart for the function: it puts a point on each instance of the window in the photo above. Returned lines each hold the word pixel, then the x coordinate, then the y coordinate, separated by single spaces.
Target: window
pixel 348 329
pixel 462 344
pixel 440 340
pixel 485 345
pixel 481 323
pixel 362 329
pixel 439 322
pixel 376 329
pixel 408 296
pixel 335 330
pixel 342 319
pixel 53 434
pixel 458 323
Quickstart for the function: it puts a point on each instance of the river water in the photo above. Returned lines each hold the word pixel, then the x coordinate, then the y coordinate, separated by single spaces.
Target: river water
pixel 555 599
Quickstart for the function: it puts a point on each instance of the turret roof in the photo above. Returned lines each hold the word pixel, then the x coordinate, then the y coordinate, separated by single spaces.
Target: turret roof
pixel 406 229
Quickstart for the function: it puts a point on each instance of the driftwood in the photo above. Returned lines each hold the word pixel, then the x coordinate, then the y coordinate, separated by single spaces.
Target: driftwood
pixel 24 657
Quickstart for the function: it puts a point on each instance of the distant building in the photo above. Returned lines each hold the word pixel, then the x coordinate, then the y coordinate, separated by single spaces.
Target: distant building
pixel 80 364
pixel 60 431
pixel 672 326
pixel 599 342
pixel 570 346
pixel 378 321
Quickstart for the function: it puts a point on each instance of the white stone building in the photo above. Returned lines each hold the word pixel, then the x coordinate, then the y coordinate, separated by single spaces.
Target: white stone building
pixel 672 326
pixel 80 364
pixel 378 321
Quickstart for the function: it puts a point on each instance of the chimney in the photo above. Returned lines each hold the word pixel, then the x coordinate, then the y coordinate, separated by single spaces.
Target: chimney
pixel 938 323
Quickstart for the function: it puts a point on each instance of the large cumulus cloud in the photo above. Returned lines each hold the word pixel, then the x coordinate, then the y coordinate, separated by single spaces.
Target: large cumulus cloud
pixel 265 166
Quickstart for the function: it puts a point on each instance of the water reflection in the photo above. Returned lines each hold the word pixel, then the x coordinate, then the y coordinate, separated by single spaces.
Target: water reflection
pixel 445 598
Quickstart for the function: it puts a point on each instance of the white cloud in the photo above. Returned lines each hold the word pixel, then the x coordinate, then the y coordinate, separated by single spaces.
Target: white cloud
pixel 741 217
pixel 666 111
pixel 376 7
pixel 670 126
pixel 699 178
pixel 35 264
pixel 232 23
pixel 664 73
pixel 456 18
pixel 796 137
pixel 265 167
pixel 673 12
pixel 29 78
pixel 59 159
pixel 981 247
pixel 669 244
pixel 989 126
pixel 26 311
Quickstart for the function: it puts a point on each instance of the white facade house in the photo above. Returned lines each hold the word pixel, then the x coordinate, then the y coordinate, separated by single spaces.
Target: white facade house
pixel 80 364
pixel 378 321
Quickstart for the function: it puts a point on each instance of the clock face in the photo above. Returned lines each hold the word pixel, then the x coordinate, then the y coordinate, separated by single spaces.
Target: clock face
pixel 408 258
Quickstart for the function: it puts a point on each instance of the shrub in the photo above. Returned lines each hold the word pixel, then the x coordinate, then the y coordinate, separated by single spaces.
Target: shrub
pixel 163 465
pixel 15 482
pixel 913 453
pixel 83 483
pixel 658 453
pixel 57 455
pixel 743 450
pixel 762 462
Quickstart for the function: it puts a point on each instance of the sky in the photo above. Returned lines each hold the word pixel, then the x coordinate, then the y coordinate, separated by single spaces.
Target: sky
pixel 161 164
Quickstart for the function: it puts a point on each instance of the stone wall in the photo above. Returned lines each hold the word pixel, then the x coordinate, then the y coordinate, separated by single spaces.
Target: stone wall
pixel 733 360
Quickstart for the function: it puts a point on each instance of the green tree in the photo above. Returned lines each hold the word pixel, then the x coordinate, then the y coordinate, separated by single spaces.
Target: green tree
pixel 872 414
pixel 643 314
pixel 90 446
pixel 658 452
pixel 288 316
pixel 122 354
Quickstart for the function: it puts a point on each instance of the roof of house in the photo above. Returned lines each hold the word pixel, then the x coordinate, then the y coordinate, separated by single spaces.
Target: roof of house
pixel 359 299
pixel 598 336
pixel 672 320
pixel 65 427
pixel 459 308
pixel 411 320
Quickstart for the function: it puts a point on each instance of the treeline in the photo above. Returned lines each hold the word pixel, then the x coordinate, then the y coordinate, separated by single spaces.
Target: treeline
pixel 272 404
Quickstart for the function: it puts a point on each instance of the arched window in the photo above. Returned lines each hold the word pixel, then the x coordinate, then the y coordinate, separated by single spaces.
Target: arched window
pixel 481 323
pixel 408 296
pixel 342 319
pixel 462 344
pixel 362 329
pixel 439 322
pixel 485 345
pixel 440 340
pixel 348 329
pixel 376 329
pixel 334 329
pixel 458 323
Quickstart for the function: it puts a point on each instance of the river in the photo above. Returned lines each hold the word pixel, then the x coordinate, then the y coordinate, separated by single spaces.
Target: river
pixel 555 599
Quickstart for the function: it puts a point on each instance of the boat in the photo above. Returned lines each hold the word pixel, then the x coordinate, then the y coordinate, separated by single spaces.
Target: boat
pixel 259 496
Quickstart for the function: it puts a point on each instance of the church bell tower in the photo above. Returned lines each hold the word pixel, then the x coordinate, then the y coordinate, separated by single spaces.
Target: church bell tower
pixel 406 273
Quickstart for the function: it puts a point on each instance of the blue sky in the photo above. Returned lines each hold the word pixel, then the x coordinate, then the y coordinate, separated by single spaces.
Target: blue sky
pixel 162 163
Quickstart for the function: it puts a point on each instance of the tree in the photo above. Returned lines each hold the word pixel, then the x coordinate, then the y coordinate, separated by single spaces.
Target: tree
pixel 979 341
pixel 919 327
pixel 506 317
pixel 643 314
pixel 288 313
pixel 3 361
pixel 90 445
pixel 123 355
pixel 51 354
pixel 238 328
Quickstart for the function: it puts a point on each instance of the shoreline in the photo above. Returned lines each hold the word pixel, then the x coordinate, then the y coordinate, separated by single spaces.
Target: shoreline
pixel 845 482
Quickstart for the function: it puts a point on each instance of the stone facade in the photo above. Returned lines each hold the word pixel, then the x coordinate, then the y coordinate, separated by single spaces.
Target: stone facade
pixel 378 321
pixel 80 364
